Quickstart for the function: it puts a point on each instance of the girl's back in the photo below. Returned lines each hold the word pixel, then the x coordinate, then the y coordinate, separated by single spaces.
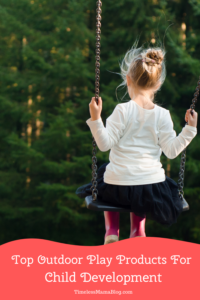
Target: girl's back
pixel 135 158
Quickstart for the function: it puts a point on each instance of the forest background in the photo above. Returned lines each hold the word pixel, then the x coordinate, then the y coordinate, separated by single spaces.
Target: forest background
pixel 47 62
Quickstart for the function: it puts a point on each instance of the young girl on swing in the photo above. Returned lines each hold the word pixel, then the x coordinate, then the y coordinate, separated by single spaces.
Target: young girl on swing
pixel 137 132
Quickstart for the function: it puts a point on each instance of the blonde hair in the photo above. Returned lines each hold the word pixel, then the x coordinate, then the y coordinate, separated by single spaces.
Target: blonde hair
pixel 138 65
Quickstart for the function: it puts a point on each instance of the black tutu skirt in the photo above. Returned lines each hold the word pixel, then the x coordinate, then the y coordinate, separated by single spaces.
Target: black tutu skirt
pixel 157 201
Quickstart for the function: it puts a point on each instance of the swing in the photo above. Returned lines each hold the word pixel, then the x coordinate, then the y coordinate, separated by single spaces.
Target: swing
pixel 92 202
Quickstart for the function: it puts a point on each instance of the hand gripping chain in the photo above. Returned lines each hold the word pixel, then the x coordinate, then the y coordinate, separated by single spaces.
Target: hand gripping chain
pixel 183 155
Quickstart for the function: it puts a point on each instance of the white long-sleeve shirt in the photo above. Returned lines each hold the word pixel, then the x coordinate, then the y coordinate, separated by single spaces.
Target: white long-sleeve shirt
pixel 137 137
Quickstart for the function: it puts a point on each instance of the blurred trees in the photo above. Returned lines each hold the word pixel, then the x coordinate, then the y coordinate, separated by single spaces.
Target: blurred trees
pixel 44 88
pixel 47 55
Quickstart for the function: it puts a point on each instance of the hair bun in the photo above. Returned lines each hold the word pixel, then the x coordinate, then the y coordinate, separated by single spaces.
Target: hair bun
pixel 145 67
pixel 156 55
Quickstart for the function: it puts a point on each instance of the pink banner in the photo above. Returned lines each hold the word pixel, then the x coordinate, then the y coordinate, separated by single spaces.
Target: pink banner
pixel 147 268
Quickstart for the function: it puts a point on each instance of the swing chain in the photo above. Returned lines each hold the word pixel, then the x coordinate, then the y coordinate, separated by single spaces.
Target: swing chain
pixel 97 79
pixel 183 155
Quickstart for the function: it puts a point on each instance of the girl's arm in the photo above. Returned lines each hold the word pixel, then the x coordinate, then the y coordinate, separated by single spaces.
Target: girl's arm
pixel 106 137
pixel 171 144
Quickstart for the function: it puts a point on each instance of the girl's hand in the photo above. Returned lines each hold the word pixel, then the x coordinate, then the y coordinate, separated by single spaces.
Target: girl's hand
pixel 95 110
pixel 192 120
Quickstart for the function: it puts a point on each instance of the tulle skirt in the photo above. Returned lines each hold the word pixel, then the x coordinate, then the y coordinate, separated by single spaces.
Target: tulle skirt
pixel 157 201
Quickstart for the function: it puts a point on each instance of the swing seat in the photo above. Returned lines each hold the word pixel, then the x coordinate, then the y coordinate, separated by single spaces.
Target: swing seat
pixel 99 205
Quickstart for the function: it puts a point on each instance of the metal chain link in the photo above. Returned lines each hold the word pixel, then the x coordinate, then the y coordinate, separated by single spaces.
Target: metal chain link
pixel 183 155
pixel 97 79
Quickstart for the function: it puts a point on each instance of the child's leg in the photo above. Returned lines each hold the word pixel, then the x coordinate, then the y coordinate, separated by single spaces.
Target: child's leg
pixel 137 226
pixel 111 223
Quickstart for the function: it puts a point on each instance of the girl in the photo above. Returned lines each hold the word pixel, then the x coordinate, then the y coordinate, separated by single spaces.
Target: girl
pixel 137 132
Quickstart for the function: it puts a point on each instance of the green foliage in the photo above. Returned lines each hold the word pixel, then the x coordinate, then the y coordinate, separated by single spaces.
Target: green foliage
pixel 47 58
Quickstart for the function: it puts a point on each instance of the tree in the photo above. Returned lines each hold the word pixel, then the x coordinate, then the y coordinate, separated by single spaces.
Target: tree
pixel 44 80
pixel 47 78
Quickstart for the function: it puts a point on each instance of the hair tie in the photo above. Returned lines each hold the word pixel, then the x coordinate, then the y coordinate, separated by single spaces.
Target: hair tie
pixel 147 59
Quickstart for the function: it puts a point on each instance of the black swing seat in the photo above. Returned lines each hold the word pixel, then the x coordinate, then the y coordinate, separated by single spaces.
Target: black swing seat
pixel 99 205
